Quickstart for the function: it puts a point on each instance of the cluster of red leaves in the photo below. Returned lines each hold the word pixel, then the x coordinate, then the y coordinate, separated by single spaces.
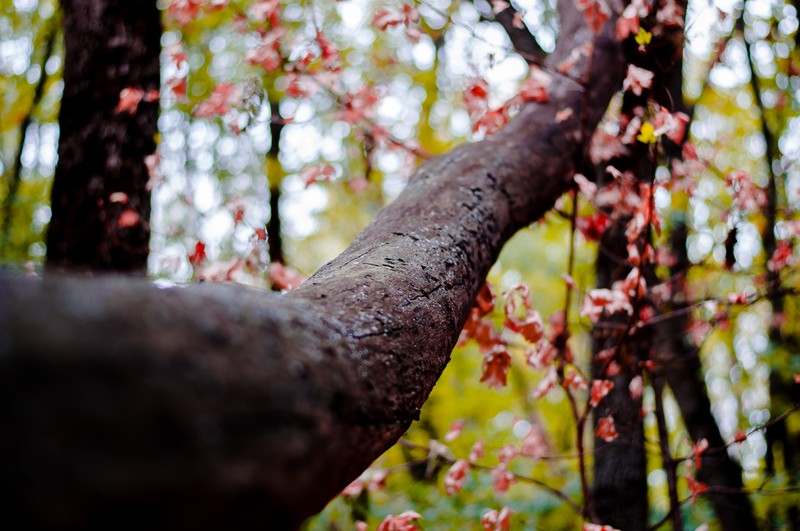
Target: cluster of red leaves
pixel 598 527
pixel 220 101
pixel 313 174
pixel 371 481
pixel 495 520
pixel 746 195
pixel 596 13
pixel 267 54
pixel 129 99
pixel 283 277
pixel 405 17
pixel 185 11
pixel 279 275
pixel 606 429
pixel 489 119
pixel 402 522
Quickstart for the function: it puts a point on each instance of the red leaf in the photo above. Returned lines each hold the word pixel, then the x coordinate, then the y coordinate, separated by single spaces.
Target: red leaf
pixel 485 300
pixel 315 174
pixel 595 12
pixel 401 522
pixel 502 478
pixel 600 388
pixel 129 99
pixel 128 218
pixel 497 521
pixel 535 87
pixel 284 277
pixel 696 487
pixel 495 367
pixel 455 430
pixel 456 477
pixel 593 226
pixel 606 429
pixel 698 449
pixel 476 452
pixel 198 255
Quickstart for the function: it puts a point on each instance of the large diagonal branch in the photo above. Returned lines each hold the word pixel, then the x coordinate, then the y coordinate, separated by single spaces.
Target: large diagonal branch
pixel 213 406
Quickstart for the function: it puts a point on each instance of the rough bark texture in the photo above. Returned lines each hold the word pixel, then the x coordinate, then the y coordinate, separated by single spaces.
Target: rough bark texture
pixel 619 485
pixel 109 46
pixel 213 406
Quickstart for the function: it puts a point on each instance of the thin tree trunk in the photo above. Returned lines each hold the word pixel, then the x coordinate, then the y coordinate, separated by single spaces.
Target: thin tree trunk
pixel 619 485
pixel 679 360
pixel 275 175
pixel 780 385
pixel 215 406
pixel 16 172
pixel 110 46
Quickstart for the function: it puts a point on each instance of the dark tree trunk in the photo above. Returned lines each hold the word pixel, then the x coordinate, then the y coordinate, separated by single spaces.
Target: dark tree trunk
pixel 619 485
pixel 683 371
pixel 782 390
pixel 213 406
pixel 109 46
pixel 274 166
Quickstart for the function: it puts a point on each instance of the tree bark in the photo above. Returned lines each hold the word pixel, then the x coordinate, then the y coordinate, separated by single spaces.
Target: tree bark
pixel 216 406
pixel 274 177
pixel 110 46
pixel 619 485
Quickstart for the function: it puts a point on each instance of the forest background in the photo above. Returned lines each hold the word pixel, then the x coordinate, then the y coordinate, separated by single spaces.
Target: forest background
pixel 244 143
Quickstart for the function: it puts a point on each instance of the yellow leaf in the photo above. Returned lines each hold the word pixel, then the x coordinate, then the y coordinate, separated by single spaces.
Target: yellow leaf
pixel 646 134
pixel 643 37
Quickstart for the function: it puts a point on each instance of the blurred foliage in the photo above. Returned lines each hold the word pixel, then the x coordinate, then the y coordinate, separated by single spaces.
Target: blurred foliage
pixel 208 166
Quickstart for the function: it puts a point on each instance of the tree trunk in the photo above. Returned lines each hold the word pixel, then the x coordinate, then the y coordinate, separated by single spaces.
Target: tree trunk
pixel 110 46
pixel 216 406
pixel 619 485
pixel 275 176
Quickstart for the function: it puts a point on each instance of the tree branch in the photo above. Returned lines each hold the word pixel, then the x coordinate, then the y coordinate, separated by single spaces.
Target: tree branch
pixel 521 39
pixel 215 406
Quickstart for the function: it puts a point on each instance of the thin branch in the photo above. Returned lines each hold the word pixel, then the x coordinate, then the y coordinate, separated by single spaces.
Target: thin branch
pixel 523 41
pixel 670 466
pixel 526 479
